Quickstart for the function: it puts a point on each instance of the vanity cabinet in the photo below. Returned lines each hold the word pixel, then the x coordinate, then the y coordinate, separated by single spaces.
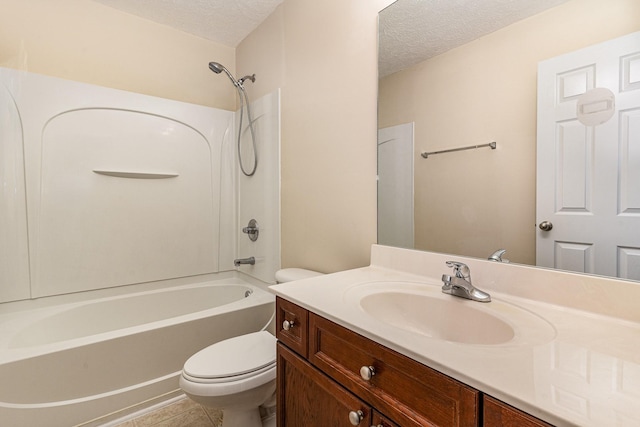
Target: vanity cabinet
pixel 331 376
pixel 339 376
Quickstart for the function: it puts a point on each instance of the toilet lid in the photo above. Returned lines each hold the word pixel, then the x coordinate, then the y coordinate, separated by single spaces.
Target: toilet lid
pixel 233 356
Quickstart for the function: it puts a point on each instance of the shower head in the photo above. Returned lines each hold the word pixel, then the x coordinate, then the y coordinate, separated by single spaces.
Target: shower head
pixel 217 68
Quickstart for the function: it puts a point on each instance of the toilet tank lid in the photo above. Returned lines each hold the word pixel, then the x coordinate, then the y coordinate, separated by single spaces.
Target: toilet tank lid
pixel 291 274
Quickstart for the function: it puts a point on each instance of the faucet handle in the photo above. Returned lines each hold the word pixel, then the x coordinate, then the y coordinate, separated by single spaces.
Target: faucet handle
pixel 460 269
pixel 497 256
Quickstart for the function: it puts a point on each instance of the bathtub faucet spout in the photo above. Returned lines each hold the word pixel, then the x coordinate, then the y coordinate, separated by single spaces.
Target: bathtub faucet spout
pixel 250 261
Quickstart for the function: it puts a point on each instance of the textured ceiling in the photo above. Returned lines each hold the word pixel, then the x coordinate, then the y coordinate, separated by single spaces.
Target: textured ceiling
pixel 410 30
pixel 414 30
pixel 226 22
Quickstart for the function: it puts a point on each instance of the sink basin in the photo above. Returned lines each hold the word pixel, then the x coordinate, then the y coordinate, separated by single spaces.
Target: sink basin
pixel 423 310
pixel 437 318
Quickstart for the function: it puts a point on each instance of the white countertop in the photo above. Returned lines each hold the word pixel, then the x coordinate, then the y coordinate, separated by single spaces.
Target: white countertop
pixel 583 371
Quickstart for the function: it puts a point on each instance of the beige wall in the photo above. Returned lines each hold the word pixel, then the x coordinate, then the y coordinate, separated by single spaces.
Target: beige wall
pixel 474 202
pixel 85 41
pixel 323 55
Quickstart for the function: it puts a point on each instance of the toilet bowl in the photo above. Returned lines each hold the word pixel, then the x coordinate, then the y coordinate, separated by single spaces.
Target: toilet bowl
pixel 238 375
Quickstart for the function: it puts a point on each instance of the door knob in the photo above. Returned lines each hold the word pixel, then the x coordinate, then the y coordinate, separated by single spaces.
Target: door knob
pixel 545 226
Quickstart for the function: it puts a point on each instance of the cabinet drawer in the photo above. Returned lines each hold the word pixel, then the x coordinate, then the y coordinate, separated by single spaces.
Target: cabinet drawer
pixel 307 397
pixel 499 414
pixel 294 334
pixel 380 421
pixel 408 392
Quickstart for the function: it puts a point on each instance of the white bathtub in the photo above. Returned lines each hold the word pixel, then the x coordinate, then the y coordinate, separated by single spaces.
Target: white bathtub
pixel 92 361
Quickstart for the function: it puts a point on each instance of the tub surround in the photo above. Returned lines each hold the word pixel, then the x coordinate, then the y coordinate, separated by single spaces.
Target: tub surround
pixel 584 372
pixel 112 188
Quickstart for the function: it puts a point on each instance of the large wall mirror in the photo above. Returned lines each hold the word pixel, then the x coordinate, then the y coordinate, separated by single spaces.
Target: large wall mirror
pixel 460 74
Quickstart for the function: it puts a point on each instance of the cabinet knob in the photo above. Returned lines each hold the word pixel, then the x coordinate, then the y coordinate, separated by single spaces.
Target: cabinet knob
pixel 287 324
pixel 355 417
pixel 366 372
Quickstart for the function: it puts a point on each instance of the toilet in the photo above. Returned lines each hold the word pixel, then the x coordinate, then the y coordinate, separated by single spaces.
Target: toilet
pixel 238 375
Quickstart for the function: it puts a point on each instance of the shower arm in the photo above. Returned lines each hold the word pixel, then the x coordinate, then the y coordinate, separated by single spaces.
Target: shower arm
pixel 252 77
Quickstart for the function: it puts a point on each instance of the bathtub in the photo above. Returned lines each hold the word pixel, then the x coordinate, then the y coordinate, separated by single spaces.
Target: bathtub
pixel 85 363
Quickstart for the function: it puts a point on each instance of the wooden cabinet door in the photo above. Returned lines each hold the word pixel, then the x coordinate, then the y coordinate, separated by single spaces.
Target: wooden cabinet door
pixel 499 414
pixel 308 398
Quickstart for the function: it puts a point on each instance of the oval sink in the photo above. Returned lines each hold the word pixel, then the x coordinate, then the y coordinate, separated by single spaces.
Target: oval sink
pixel 437 318
pixel 423 310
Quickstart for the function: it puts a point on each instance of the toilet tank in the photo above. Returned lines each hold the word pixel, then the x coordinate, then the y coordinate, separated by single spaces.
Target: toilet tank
pixel 291 274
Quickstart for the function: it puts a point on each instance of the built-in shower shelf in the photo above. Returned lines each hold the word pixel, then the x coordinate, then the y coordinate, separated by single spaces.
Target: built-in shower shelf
pixel 136 175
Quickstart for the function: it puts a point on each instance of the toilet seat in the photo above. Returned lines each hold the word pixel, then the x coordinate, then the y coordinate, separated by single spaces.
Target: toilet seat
pixel 233 359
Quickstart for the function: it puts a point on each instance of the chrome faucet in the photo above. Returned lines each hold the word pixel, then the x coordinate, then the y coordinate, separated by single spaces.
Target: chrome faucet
pixel 497 256
pixel 250 261
pixel 460 283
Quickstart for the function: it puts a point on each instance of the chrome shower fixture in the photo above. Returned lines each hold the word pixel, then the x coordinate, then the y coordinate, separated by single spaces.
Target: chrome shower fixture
pixel 218 68
pixel 252 77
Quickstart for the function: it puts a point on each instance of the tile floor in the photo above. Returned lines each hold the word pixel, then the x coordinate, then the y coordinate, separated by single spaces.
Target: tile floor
pixel 183 413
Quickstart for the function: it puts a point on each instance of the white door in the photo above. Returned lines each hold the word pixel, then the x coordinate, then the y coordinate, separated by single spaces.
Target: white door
pixel 395 186
pixel 588 176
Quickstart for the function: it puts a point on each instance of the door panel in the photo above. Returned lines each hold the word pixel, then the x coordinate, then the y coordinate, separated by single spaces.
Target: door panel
pixel 395 186
pixel 588 183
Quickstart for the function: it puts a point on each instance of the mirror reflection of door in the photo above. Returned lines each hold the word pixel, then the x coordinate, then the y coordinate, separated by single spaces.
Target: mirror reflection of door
pixel 588 185
pixel 395 186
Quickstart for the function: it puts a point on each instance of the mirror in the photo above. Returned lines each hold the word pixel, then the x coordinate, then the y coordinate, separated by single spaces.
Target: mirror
pixel 457 89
